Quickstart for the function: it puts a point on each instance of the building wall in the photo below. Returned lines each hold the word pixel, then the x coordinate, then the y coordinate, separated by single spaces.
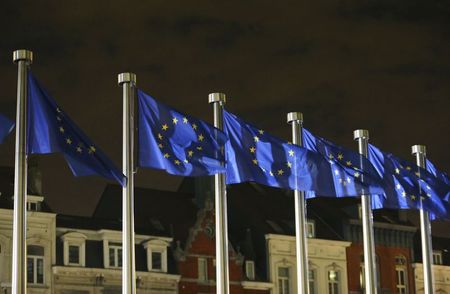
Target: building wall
pixel 441 275
pixel 323 255
pixel 387 264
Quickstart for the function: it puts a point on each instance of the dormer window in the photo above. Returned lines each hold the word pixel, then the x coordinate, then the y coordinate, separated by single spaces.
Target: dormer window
pixel 157 254
pixel 437 257
pixel 74 249
pixel 115 254
pixel 311 229
pixel 34 202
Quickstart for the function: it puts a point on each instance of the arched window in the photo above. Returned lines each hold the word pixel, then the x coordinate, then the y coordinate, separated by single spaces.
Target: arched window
pixel 35 264
pixel 401 274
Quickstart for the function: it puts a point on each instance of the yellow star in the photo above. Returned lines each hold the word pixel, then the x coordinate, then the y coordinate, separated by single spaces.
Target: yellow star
pixel 280 172
pixel 408 168
pixel 340 156
pixel 349 163
pixel 160 146
pixel 256 138
pixel 68 141
pixel 417 174
pixel 398 186
pixel 356 174
pixel 175 120
pixel 177 162
pixel 190 153
pixel 61 129
pixel 79 150
pixel 397 171
pixel 289 164
pixel 255 161
pixel 200 137
pixel 165 127
pixel 166 155
pixel 413 197
pixel 185 120
pixel 404 194
pixel 194 126
pixel 252 149
pixel 349 180
pixel 291 152
pixel 160 136
pixel 58 110
pixel 271 173
pixel 92 149
pixel 428 194
pixel 185 161
pixel 330 156
pixel 199 148
pixel 58 118
pixel 260 132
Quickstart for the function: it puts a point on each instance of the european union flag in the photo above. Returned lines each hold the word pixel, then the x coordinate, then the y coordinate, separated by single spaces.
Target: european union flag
pixel 176 142
pixel 6 126
pixel 254 155
pixel 440 175
pixel 406 186
pixel 352 173
pixel 50 130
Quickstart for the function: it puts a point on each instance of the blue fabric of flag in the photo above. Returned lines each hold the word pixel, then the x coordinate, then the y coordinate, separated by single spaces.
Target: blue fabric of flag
pixel 406 186
pixel 50 130
pixel 352 173
pixel 254 155
pixel 6 126
pixel 176 142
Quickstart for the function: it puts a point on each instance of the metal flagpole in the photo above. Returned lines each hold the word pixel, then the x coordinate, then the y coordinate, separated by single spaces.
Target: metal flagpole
pixel 370 273
pixel 19 283
pixel 222 271
pixel 296 120
pixel 128 82
pixel 425 229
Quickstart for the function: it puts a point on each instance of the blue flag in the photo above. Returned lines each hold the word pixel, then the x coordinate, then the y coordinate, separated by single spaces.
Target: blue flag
pixel 176 142
pixel 352 173
pixel 6 126
pixel 440 175
pixel 406 186
pixel 50 130
pixel 254 155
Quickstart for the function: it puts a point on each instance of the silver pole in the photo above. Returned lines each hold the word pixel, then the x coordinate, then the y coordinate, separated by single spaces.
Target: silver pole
pixel 19 282
pixel 222 271
pixel 425 229
pixel 296 120
pixel 128 82
pixel 370 272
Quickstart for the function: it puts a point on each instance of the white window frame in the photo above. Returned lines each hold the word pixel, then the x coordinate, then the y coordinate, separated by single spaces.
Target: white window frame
pixel 160 246
pixel 337 282
pixel 437 257
pixel 401 289
pixel 118 250
pixel 202 269
pixel 34 200
pixel 311 228
pixel 313 280
pixel 281 280
pixel 35 258
pixel 250 270
pixel 74 239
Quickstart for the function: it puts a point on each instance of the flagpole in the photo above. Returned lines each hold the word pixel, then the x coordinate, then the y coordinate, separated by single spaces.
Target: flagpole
pixel 370 274
pixel 222 271
pixel 23 58
pixel 128 82
pixel 296 120
pixel 425 229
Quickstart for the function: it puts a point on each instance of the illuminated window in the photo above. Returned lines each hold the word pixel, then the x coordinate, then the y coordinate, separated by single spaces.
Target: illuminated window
pixel 250 269
pixel 202 269
pixel 310 229
pixel 437 257
pixel 334 282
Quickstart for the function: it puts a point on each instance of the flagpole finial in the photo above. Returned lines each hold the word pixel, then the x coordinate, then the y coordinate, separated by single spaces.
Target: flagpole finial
pixel 295 116
pixel 126 77
pixel 23 54
pixel 358 134
pixel 217 97
pixel 418 149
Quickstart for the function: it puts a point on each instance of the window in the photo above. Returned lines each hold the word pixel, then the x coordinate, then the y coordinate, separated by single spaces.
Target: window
pixel 401 274
pixel 310 229
pixel 312 281
pixel 284 286
pixel 35 264
pixel 115 254
pixel 156 260
pixel 437 257
pixel 250 269
pixel 359 211
pixel 333 281
pixel 74 254
pixel 157 255
pixel 202 269
pixel 34 202
pixel 74 248
pixel 362 280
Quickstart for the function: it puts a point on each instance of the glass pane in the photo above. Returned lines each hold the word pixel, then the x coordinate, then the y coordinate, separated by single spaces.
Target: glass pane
pixel 30 270
pixel 286 286
pixel 283 272
pixel 119 257
pixel 35 250
pixel 40 271
pixel 112 260
pixel 74 254
pixel 335 289
pixel 156 260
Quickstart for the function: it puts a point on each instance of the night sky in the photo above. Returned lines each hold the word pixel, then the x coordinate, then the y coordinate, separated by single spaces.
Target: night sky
pixel 380 65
